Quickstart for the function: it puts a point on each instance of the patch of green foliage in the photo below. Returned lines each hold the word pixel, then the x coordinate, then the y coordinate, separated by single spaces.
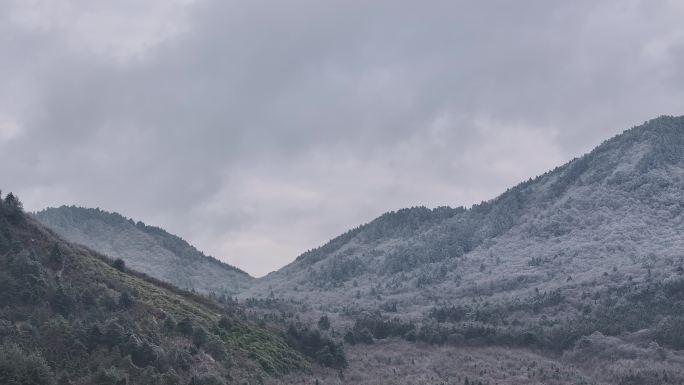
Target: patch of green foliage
pixel 71 314
pixel 272 353
pixel 612 311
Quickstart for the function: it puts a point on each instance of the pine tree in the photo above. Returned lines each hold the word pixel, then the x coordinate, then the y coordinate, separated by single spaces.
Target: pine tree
pixel 126 301
pixel 55 259
pixel 12 207
pixel 119 264
pixel 324 323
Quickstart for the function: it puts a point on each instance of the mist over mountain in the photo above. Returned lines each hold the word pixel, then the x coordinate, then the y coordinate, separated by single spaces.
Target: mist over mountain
pixel 147 249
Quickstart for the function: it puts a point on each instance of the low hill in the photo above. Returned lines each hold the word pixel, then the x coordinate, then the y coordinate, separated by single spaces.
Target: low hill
pixel 144 248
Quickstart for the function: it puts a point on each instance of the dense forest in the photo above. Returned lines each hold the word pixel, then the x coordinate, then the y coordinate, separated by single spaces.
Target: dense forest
pixel 573 277
pixel 585 255
pixel 145 248
pixel 69 315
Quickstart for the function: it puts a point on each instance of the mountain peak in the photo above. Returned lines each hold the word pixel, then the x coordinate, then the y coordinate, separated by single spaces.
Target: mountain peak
pixel 664 131
pixel 634 175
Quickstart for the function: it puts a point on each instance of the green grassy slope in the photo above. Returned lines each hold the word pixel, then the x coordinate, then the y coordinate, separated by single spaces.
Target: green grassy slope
pixel 145 248
pixel 77 319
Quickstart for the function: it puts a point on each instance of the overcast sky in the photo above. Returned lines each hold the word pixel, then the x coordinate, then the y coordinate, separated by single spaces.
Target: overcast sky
pixel 259 129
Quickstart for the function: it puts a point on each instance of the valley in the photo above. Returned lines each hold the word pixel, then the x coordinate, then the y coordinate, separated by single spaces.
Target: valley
pixel 573 277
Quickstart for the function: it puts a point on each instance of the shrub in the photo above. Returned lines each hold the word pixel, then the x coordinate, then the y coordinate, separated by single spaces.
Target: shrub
pixel 670 332
pixel 215 347
pixel 126 301
pixel 350 338
pixel 62 301
pixel 364 336
pixel 324 323
pixel 9 289
pixel 206 379
pixel 55 259
pixel 316 346
pixel 169 324
pixel 18 366
pixel 380 328
pixel 119 264
pixel 199 336
pixel 13 207
pixel 110 376
pixel 142 353
pixel 180 359
pixel 27 269
pixel 185 327
pixel 107 302
pixel 225 323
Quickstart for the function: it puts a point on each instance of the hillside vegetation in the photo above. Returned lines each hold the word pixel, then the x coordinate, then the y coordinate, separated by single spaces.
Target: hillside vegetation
pixel 69 315
pixel 573 277
pixel 585 258
pixel 144 248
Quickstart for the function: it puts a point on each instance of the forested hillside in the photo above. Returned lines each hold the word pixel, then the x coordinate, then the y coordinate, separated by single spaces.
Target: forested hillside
pixel 616 207
pixel 69 315
pixel 144 248
pixel 573 277
pixel 585 258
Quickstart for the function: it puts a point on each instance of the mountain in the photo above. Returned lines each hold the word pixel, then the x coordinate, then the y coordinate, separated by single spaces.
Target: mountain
pixel 69 315
pixel 144 248
pixel 573 277
pixel 614 210
pixel 583 263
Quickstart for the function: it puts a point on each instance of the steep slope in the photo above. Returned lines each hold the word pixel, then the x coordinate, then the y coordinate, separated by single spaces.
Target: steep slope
pixel 148 249
pixel 575 277
pixel 70 314
pixel 583 264
pixel 615 210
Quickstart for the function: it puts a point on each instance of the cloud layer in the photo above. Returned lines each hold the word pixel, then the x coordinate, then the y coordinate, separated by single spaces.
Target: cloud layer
pixel 259 129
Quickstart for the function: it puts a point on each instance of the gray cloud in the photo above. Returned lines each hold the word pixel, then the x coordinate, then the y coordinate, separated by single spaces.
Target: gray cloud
pixel 259 129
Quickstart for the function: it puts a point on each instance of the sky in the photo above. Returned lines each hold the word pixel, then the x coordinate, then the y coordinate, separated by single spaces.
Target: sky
pixel 257 130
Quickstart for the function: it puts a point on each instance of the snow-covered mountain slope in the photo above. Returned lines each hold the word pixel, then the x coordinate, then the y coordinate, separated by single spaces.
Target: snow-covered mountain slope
pixel 147 249
pixel 574 277
pixel 582 266
pixel 612 215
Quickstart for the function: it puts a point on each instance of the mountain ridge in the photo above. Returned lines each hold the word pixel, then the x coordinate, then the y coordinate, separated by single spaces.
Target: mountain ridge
pixel 582 261
pixel 627 162
pixel 150 229
pixel 70 315
pixel 149 249
pixel 575 166
pixel 582 264
pixel 654 132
